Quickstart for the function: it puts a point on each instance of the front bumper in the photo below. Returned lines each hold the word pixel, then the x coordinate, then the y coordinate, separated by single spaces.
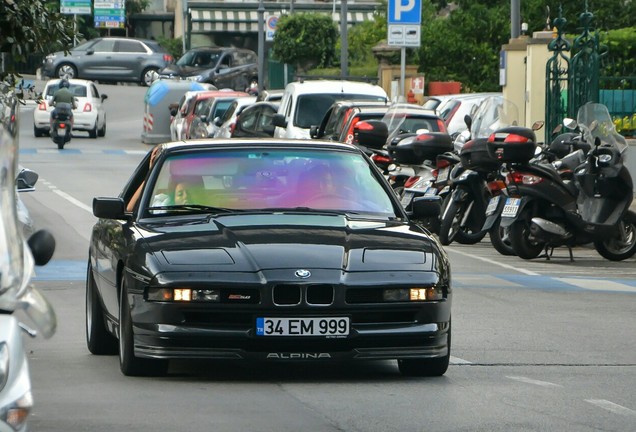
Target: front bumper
pixel 376 333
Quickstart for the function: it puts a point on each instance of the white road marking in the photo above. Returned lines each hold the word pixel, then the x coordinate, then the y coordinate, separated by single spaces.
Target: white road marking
pixel 611 406
pixel 458 361
pixel 598 285
pixel 533 381
pixel 493 262
pixel 67 197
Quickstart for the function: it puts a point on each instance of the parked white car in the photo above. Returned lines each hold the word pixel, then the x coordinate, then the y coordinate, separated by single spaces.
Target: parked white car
pixel 454 108
pixel 305 103
pixel 229 118
pixel 89 116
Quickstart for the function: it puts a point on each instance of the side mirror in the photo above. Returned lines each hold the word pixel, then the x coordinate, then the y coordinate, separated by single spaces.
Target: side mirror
pixel 104 97
pixel 570 123
pixel 203 118
pixel 109 208
pixel 537 125
pixel 313 131
pixel 469 121
pixel 279 121
pixel 427 206
pixel 42 245
pixel 26 179
pixel 217 121
pixel 90 51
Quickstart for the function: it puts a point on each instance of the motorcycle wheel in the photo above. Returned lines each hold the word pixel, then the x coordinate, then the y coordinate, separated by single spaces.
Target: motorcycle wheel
pixel 60 145
pixel 450 229
pixel 623 244
pixel 500 239
pixel 520 238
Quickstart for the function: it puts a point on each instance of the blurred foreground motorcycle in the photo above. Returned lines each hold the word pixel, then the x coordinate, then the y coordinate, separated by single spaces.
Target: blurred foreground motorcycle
pixel 17 260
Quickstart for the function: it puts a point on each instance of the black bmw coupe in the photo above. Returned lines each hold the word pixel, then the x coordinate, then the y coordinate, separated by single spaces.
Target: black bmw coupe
pixel 278 250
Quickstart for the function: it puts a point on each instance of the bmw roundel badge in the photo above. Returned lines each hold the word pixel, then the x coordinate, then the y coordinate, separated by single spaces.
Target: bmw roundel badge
pixel 303 274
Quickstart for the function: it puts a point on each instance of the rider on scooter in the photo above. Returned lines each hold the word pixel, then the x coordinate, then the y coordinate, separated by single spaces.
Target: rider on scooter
pixel 63 96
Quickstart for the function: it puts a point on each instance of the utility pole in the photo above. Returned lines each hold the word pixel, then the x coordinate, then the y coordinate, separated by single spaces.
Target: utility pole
pixel 344 45
pixel 515 18
pixel 261 44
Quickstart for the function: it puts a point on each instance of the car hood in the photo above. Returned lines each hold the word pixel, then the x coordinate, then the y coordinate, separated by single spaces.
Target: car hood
pixel 183 71
pixel 251 243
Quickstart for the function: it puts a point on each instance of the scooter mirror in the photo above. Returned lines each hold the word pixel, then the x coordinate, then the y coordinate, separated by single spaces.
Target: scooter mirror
pixel 569 123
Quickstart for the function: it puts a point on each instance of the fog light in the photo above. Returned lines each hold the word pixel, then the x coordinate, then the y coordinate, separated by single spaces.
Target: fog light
pixel 205 295
pixel 160 294
pixel 395 294
pixel 17 413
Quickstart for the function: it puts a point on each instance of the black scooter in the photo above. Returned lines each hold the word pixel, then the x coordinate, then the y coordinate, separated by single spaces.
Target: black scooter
pixel 546 211
pixel 61 124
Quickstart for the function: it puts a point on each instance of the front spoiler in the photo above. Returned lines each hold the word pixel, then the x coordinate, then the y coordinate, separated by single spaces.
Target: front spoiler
pixel 419 341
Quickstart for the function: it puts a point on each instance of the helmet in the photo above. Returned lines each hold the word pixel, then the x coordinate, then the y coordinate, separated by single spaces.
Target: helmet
pixel 64 83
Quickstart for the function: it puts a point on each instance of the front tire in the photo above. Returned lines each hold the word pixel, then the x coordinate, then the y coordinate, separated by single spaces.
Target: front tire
pixel 128 363
pixel 521 239
pixel 623 244
pixel 66 70
pixel 426 367
pixel 98 339
pixel 500 239
pixel 450 229
pixel 148 76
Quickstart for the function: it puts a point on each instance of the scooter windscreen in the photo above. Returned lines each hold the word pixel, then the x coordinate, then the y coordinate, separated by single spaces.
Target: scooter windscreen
pixel 493 113
pixel 595 121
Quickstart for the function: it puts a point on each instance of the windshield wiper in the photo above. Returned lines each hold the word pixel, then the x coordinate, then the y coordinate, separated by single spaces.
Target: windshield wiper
pixel 193 208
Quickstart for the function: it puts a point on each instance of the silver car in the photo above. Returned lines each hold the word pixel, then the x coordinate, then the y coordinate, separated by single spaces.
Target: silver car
pixel 111 59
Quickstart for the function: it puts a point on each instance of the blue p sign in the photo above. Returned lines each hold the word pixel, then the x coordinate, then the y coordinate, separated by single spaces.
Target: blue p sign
pixel 405 11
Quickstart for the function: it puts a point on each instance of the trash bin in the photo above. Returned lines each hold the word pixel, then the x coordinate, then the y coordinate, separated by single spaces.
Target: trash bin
pixel 159 96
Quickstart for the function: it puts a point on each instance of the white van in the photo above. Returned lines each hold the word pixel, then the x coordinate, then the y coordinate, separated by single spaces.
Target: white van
pixel 305 103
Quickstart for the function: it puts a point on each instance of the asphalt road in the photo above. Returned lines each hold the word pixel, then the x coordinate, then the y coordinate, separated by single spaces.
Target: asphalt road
pixel 541 345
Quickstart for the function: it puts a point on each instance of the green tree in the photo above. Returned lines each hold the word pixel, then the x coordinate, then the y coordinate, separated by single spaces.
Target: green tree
pixel 33 27
pixel 305 40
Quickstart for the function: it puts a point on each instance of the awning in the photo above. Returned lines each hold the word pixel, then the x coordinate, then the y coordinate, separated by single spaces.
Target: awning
pixel 205 21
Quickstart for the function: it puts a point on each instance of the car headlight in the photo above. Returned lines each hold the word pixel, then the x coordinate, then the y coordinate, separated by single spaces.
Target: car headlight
pixel 4 364
pixel 412 294
pixel 183 295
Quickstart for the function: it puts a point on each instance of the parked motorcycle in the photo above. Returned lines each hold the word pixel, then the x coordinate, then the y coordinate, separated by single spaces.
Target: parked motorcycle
pixel 17 258
pixel 546 211
pixel 478 180
pixel 61 124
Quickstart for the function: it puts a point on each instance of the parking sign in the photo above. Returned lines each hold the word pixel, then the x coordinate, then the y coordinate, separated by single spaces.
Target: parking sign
pixel 405 19
pixel 405 12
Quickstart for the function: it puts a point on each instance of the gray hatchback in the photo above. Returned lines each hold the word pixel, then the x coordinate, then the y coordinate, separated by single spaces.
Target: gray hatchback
pixel 111 59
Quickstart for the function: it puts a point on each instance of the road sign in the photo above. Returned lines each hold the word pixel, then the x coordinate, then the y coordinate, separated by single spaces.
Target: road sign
pixel 75 7
pixel 405 20
pixel 405 12
pixel 270 26
pixel 109 14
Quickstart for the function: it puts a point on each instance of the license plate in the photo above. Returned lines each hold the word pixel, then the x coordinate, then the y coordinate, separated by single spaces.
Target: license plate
pixel 492 205
pixel 431 191
pixel 61 131
pixel 511 207
pixel 323 326
pixel 442 174
pixel 406 199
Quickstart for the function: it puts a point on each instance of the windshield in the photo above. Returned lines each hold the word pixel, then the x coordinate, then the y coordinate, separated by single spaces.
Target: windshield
pixel 199 59
pixel 408 118
pixel 15 265
pixel 248 180
pixel 493 113
pixel 311 108
pixel 595 121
